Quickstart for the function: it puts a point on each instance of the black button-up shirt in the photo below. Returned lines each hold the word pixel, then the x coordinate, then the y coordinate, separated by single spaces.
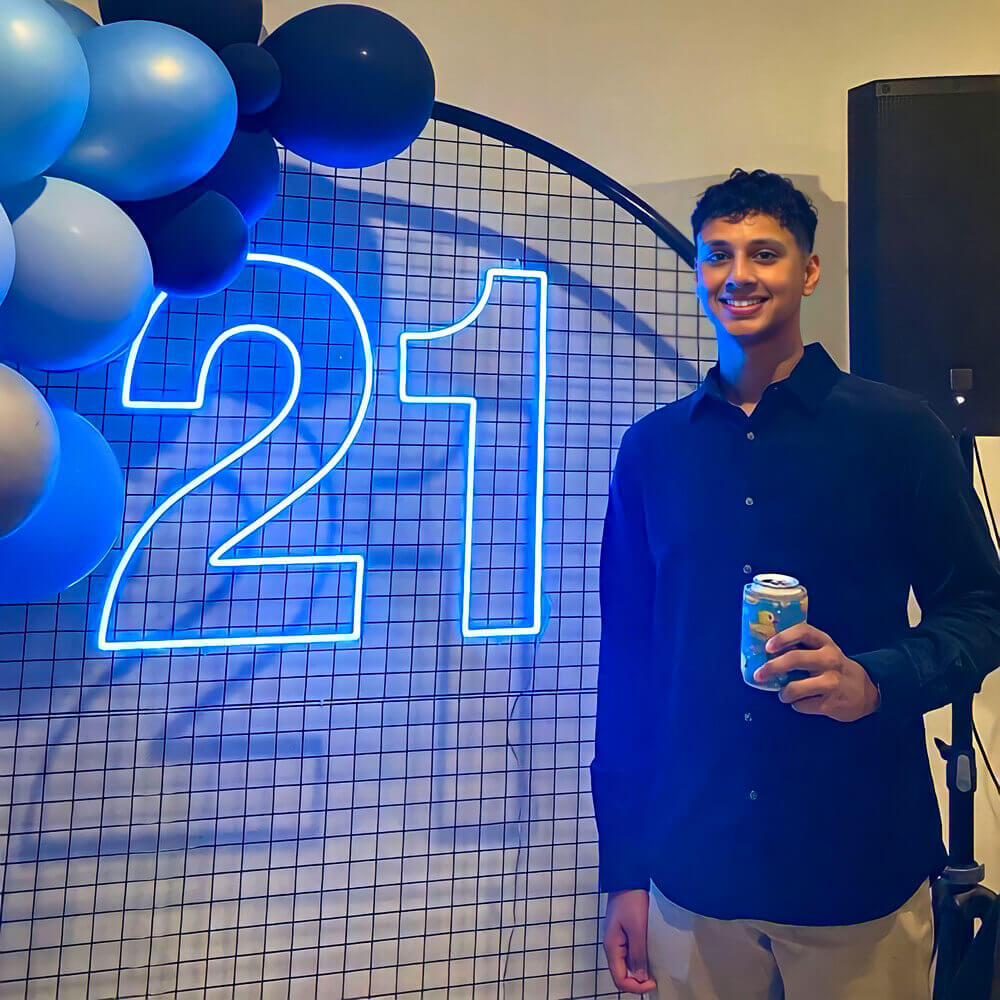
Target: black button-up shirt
pixel 731 801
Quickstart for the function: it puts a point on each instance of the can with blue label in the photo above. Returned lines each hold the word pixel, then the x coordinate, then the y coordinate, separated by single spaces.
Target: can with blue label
pixel 771 603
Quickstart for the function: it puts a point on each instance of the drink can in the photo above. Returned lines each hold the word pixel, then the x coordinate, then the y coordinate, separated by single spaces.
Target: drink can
pixel 771 602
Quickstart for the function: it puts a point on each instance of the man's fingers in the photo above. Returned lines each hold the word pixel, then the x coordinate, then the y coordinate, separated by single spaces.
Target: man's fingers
pixel 616 951
pixel 810 660
pixel 622 965
pixel 629 984
pixel 811 706
pixel 810 687
pixel 801 634
pixel 634 986
pixel 636 961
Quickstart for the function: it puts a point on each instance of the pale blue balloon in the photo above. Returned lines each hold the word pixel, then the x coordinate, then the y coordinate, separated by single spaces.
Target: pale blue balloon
pixel 162 112
pixel 29 449
pixel 6 254
pixel 76 523
pixel 78 20
pixel 44 89
pixel 83 278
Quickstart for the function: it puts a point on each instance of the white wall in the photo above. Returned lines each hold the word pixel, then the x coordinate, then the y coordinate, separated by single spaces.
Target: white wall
pixel 668 97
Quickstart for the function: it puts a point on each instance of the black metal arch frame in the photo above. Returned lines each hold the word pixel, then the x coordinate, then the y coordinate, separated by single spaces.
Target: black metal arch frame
pixel 573 166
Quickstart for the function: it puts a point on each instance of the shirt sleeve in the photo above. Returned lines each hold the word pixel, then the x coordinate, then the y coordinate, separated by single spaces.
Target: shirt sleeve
pixel 621 767
pixel 955 575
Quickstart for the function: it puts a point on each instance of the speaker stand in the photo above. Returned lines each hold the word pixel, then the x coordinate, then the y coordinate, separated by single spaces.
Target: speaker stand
pixel 958 897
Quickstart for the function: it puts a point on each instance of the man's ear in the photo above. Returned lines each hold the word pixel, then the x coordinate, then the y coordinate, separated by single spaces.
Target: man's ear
pixel 812 274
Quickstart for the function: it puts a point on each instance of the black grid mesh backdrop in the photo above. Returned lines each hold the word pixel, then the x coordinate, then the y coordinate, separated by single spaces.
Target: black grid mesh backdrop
pixel 404 815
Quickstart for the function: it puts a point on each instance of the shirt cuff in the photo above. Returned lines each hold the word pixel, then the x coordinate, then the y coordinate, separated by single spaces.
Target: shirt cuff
pixel 623 843
pixel 620 874
pixel 892 674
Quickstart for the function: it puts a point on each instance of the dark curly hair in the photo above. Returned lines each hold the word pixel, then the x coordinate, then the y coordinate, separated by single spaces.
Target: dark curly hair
pixel 759 191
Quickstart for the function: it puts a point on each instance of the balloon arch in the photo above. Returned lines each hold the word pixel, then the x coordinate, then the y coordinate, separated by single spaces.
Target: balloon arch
pixel 135 156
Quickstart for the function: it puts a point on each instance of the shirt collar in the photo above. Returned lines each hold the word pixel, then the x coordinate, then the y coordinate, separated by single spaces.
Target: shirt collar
pixel 810 381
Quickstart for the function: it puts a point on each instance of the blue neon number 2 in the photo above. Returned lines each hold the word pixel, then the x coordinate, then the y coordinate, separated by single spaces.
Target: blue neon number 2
pixel 495 277
pixel 220 557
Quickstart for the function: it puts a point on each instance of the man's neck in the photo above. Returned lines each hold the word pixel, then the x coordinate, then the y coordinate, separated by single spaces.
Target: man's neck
pixel 746 370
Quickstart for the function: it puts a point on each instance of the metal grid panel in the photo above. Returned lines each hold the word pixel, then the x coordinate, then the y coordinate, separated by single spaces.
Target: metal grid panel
pixel 404 816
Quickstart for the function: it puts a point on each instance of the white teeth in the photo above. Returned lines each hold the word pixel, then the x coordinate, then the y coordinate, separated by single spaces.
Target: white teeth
pixel 741 304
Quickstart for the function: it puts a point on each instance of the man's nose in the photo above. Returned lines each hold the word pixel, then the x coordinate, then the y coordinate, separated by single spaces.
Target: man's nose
pixel 740 273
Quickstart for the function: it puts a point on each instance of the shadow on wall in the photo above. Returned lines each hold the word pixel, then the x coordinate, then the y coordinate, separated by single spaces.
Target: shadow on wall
pixel 824 316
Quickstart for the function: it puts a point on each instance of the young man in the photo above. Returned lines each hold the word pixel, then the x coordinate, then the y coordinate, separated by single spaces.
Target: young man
pixel 758 845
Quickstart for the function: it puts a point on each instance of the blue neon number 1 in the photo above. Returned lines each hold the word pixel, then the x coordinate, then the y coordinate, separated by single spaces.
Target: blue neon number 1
pixel 494 277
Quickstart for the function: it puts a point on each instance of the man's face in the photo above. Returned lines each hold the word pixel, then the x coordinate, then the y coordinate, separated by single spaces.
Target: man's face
pixel 755 260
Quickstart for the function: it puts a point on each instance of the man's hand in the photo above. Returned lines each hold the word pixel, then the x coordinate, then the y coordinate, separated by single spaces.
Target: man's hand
pixel 839 687
pixel 625 940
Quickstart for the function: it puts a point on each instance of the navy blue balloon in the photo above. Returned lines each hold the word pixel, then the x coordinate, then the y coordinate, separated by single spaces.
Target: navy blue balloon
pixel 197 240
pixel 255 74
pixel 217 23
pixel 357 87
pixel 249 173
pixel 74 526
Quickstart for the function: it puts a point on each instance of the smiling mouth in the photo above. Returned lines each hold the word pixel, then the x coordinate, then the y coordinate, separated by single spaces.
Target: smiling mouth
pixel 743 307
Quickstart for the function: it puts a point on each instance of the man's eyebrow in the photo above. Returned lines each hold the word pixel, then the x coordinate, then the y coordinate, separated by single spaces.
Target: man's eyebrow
pixel 755 242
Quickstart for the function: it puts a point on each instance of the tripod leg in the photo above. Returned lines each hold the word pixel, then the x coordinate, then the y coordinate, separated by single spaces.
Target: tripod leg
pixel 945 927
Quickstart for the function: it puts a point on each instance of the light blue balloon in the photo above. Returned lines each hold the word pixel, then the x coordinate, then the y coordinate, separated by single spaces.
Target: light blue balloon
pixel 44 89
pixel 29 449
pixel 83 279
pixel 78 20
pixel 74 526
pixel 162 112
pixel 6 254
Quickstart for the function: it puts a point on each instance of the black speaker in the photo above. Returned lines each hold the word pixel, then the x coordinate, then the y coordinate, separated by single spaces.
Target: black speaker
pixel 923 164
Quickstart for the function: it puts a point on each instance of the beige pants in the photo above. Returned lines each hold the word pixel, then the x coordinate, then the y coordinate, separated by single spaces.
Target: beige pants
pixel 701 958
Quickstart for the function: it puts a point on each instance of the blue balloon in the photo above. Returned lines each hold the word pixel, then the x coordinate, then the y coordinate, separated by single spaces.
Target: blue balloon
pixel 29 449
pixel 357 87
pixel 255 74
pixel 74 526
pixel 78 20
pixel 198 240
pixel 162 112
pixel 6 254
pixel 249 174
pixel 44 89
pixel 217 23
pixel 83 279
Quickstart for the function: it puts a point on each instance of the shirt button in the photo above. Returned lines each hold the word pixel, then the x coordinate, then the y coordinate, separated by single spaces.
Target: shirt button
pixel 749 501
pixel 747 568
pixel 749 435
pixel 747 717
pixel 753 796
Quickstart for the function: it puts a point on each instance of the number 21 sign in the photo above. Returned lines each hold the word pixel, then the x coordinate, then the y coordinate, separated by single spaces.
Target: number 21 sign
pixel 224 558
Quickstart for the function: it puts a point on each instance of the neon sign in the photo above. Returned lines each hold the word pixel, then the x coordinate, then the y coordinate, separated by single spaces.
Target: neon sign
pixel 493 275
pixel 221 557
